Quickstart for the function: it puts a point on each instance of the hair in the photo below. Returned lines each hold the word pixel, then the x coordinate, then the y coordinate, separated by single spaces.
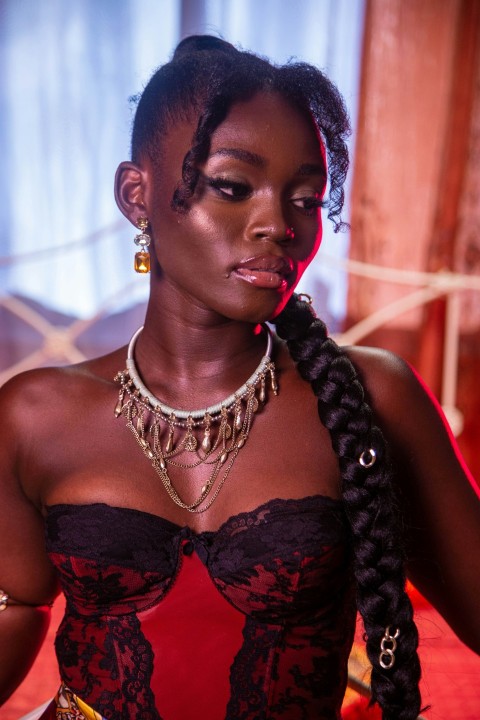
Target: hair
pixel 369 502
pixel 204 78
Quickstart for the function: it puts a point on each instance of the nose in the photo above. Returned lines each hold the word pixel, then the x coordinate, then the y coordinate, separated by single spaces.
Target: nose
pixel 268 222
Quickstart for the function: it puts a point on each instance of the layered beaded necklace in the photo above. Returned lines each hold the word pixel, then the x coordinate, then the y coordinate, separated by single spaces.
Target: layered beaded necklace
pixel 165 434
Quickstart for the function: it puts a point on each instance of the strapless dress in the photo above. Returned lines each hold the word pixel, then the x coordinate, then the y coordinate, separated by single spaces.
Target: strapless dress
pixel 252 621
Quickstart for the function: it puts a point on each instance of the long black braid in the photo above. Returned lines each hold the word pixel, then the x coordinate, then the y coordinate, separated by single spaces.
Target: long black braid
pixel 205 77
pixel 369 504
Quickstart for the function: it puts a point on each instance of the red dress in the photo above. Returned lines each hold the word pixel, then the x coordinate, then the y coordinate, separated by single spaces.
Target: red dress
pixel 253 621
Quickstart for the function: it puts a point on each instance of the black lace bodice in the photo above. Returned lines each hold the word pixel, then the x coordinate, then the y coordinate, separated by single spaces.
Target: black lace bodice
pixel 278 576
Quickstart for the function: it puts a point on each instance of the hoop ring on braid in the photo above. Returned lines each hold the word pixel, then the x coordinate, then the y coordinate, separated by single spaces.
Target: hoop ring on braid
pixel 370 505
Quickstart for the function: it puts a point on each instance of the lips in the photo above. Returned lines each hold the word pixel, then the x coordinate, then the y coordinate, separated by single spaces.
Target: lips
pixel 265 271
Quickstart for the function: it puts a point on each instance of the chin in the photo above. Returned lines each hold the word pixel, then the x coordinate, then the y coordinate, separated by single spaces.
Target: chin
pixel 282 302
pixel 258 307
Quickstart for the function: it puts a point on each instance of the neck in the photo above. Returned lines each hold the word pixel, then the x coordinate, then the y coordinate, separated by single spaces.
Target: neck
pixel 197 360
pixel 244 390
pixel 224 425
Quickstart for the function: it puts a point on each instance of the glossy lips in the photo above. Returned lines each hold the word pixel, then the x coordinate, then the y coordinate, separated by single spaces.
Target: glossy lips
pixel 265 271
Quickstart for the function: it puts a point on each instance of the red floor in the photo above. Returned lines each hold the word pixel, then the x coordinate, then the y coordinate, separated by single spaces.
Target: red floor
pixel 451 683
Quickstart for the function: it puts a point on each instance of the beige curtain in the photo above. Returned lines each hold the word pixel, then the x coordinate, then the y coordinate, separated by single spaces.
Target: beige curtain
pixel 416 186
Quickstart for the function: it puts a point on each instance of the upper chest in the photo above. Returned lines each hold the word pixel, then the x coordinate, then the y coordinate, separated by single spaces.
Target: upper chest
pixel 90 455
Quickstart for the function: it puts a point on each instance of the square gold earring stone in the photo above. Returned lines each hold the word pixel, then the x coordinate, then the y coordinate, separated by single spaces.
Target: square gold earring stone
pixel 142 262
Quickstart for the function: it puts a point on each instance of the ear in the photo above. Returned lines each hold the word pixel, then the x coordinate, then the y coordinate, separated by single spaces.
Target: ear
pixel 130 190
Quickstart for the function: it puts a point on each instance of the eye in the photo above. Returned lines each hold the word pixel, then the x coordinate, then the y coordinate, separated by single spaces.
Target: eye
pixel 309 203
pixel 229 189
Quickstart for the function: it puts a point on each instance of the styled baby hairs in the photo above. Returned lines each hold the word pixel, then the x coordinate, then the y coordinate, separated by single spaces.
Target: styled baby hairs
pixel 204 78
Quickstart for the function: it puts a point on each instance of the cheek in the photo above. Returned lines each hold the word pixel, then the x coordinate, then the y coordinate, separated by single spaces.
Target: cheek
pixel 185 233
pixel 195 245
pixel 201 224
pixel 310 248
pixel 317 241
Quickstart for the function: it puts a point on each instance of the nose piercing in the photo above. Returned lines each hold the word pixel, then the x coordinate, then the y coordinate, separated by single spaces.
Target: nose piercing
pixel 290 233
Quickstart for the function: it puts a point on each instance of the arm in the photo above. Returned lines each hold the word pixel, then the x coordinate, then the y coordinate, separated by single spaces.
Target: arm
pixel 441 507
pixel 26 574
pixel 22 632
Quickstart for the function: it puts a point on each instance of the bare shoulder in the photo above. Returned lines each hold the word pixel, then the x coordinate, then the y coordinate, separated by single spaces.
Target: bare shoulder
pixel 384 374
pixel 376 359
pixel 439 497
pixel 407 412
pixel 421 442
pixel 39 407
pixel 40 390
pixel 398 396
pixel 40 411
pixel 22 398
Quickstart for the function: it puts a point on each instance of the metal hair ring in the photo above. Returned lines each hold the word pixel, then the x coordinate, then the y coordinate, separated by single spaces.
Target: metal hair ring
pixel 368 458
pixel 305 297
pixel 388 645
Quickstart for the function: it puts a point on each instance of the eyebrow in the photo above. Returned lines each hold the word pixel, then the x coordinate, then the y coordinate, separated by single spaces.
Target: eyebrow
pixel 238 154
pixel 312 169
pixel 258 161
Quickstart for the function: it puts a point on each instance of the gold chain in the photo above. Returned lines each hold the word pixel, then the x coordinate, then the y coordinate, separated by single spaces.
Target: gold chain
pixel 146 415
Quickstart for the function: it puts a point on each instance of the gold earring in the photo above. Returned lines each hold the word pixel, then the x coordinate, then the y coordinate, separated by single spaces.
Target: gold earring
pixel 143 240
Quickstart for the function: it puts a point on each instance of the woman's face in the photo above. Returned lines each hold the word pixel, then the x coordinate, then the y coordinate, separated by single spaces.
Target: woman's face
pixel 254 223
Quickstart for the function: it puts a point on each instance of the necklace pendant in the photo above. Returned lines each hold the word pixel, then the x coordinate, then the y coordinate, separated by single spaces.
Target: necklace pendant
pixel 223 457
pixel 252 402
pixel 261 394
pixel 169 444
pixel 190 442
pixel 225 430
pixel 121 394
pixel 238 416
pixel 206 442
pixel 273 379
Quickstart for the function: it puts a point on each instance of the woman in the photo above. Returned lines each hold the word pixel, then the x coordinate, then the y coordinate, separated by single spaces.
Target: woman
pixel 214 536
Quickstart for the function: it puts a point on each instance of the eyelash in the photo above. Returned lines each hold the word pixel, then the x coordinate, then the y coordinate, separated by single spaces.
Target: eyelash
pixel 241 191
pixel 311 203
